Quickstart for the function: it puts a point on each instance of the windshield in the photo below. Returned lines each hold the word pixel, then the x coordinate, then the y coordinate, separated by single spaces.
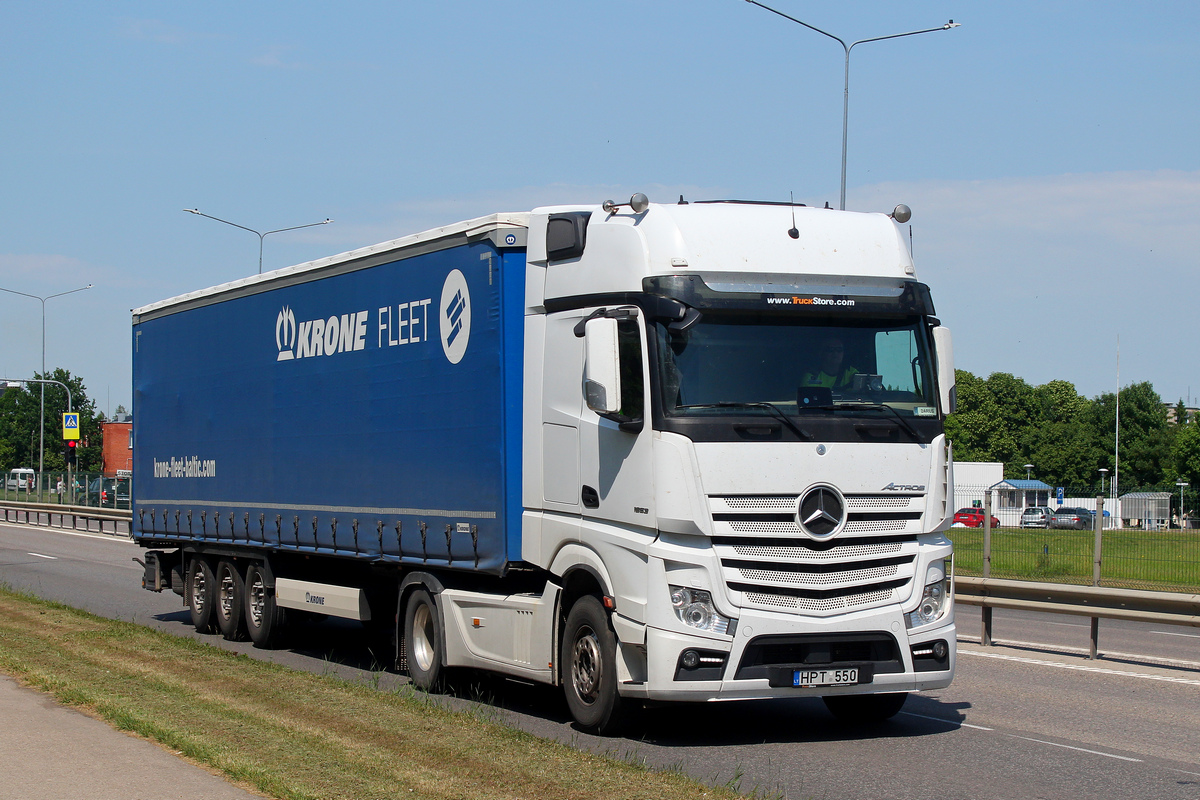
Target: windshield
pixel 738 363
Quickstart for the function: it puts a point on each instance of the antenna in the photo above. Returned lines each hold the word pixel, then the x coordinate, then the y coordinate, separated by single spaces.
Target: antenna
pixel 793 232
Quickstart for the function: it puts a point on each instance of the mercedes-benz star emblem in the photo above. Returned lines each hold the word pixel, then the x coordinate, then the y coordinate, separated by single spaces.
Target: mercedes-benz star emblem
pixel 820 512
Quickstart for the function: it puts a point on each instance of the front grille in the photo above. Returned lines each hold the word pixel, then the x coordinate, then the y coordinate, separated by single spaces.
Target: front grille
pixel 771 564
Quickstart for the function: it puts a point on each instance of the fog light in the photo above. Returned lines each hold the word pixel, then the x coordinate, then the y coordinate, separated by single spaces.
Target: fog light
pixel 940 650
pixel 690 659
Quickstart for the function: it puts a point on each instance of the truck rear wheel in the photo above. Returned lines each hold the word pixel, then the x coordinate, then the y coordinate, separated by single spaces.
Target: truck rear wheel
pixel 201 594
pixel 865 708
pixel 264 619
pixel 589 663
pixel 423 641
pixel 231 600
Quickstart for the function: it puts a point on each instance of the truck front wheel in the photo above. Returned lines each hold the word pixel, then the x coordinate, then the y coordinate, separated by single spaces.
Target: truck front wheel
pixel 865 708
pixel 231 599
pixel 423 641
pixel 201 594
pixel 589 662
pixel 264 619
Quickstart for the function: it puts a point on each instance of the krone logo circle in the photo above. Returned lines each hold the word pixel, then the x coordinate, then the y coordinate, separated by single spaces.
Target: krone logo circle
pixel 821 512
pixel 454 313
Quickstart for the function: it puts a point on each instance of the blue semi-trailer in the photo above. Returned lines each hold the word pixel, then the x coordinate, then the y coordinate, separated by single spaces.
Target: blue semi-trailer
pixel 595 447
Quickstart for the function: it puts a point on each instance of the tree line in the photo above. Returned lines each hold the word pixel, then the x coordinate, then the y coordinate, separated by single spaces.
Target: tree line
pixel 20 432
pixel 1068 438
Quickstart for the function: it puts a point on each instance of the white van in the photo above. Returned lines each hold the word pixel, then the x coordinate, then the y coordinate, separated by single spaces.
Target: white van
pixel 21 478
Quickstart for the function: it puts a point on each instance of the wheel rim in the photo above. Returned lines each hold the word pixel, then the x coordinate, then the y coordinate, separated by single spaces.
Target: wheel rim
pixel 226 593
pixel 258 598
pixel 199 589
pixel 423 637
pixel 586 665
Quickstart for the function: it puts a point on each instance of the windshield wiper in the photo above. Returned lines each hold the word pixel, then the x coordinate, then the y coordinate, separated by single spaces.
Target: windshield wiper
pixel 866 406
pixel 774 409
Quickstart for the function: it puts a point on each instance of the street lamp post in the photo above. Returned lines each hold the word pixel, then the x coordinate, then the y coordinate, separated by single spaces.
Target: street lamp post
pixel 1182 485
pixel 846 92
pixel 260 236
pixel 42 407
pixel 1028 470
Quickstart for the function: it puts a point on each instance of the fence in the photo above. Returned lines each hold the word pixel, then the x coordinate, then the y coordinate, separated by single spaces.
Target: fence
pixel 1127 552
pixel 77 489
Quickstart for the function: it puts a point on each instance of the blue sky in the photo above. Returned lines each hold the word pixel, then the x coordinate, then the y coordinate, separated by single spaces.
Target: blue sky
pixel 1050 152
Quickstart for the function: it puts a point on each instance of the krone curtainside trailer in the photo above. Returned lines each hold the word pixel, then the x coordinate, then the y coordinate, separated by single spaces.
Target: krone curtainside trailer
pixel 676 452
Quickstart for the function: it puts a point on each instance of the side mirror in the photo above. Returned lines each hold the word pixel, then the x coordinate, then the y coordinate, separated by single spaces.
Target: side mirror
pixel 602 366
pixel 944 351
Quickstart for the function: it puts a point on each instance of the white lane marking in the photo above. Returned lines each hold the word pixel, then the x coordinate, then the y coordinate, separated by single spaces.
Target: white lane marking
pixel 1071 747
pixel 1080 667
pixel 1173 633
pixel 1026 738
pixel 947 721
pixel 39 555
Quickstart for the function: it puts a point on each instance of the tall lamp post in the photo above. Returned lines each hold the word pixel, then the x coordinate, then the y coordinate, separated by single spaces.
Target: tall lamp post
pixel 846 92
pixel 261 235
pixel 42 407
pixel 1182 485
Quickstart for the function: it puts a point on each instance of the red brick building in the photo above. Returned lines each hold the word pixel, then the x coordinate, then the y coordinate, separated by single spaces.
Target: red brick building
pixel 118 445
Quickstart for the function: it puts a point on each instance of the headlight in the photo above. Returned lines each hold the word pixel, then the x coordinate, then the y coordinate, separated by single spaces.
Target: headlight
pixel 694 607
pixel 934 600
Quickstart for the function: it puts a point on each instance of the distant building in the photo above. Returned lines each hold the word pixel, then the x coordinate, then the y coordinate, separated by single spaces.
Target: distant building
pixel 1189 413
pixel 118 445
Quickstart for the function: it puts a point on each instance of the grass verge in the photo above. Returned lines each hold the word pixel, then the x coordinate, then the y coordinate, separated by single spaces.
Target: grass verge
pixel 294 735
pixel 1132 559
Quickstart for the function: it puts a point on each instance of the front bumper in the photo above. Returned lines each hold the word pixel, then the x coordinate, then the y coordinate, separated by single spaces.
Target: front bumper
pixel 766 645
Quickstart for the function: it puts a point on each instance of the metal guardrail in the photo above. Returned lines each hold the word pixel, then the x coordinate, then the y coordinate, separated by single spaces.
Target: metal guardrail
pixel 53 515
pixel 1096 602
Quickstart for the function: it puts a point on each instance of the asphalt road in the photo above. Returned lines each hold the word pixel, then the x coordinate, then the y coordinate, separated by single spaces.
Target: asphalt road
pixel 1031 718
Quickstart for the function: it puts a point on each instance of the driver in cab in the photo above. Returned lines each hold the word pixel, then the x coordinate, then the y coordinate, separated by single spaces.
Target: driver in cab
pixel 831 375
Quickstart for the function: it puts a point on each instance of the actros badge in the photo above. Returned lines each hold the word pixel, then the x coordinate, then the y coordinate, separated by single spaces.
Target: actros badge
pixel 455 316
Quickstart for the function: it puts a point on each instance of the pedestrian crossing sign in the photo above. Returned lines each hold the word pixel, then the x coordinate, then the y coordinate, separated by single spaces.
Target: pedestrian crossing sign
pixel 70 426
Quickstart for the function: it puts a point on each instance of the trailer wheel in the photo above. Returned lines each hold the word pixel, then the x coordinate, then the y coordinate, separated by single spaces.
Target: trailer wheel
pixel 865 709
pixel 231 600
pixel 423 641
pixel 589 659
pixel 201 594
pixel 264 619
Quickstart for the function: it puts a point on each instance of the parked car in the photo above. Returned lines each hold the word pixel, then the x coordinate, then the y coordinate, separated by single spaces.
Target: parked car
pixel 973 518
pixel 1068 517
pixel 101 493
pixel 1036 517
pixel 21 478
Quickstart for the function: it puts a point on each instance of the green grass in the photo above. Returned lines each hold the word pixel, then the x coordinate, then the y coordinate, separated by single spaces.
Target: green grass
pixel 1132 559
pixel 295 735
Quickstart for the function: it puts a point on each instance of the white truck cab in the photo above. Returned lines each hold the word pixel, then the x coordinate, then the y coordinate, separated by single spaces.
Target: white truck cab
pixel 734 434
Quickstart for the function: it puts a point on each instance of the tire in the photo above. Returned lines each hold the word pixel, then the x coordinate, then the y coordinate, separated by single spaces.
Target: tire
pixel 865 709
pixel 200 593
pixel 265 620
pixel 589 664
pixel 229 610
pixel 423 641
